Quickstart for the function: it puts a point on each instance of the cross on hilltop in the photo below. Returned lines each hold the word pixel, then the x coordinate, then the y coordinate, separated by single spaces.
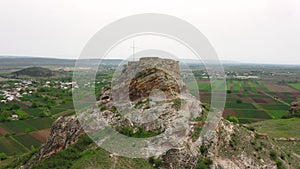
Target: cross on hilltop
pixel 133 50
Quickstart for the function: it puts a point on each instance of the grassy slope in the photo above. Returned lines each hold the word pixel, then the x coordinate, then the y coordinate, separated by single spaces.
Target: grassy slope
pixel 100 159
pixel 82 154
pixel 279 127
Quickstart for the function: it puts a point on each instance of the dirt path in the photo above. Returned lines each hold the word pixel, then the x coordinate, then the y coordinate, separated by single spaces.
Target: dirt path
pixel 115 162
pixel 296 155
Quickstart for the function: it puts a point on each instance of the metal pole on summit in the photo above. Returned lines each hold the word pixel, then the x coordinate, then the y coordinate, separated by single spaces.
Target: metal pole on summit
pixel 133 50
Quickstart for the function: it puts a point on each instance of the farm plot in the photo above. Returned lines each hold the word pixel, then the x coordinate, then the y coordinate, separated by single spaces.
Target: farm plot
pixel 19 126
pixel 245 87
pixel 295 85
pixel 219 85
pixel 245 120
pixel 33 111
pixel 264 100
pixel 10 147
pixel 67 105
pixel 277 114
pixel 253 86
pixel 274 106
pixel 229 112
pixel 253 114
pixel 236 85
pixel 3 131
pixel 27 140
pixel 36 99
pixel 41 135
pixel 240 105
pixel 201 85
pixel 276 87
pixel 57 110
pixel 40 123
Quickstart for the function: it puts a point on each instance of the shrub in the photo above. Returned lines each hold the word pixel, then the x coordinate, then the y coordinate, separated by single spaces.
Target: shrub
pixel 273 155
pixel 3 156
pixel 139 133
pixel 251 128
pixel 34 105
pixel 239 101
pixel 279 164
pixel 27 130
pixel 232 119
pixel 196 134
pixel 204 163
pixel 282 156
pixel 113 109
pixel 65 158
pixel 177 103
pixel 203 149
pixel 156 162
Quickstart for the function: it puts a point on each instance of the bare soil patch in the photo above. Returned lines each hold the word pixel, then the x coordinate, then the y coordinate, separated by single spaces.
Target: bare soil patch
pixel 276 87
pixel 27 103
pixel 3 131
pixel 41 135
pixel 263 100
pixel 229 112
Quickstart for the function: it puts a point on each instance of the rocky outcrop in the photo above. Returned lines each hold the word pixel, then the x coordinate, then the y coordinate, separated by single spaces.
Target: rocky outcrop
pixel 235 147
pixel 294 110
pixel 176 158
pixel 148 80
pixel 64 132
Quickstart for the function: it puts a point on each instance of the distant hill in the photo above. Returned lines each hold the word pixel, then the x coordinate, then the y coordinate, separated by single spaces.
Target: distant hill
pixel 12 61
pixel 37 72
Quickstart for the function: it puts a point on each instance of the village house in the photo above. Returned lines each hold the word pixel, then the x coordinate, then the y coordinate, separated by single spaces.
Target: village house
pixel 14 117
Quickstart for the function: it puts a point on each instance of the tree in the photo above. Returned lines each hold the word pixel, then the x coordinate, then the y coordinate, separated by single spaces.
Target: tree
pixel 22 115
pixel 34 105
pixel 3 116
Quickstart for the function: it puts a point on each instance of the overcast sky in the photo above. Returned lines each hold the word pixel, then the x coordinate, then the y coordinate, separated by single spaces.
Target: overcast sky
pixel 260 31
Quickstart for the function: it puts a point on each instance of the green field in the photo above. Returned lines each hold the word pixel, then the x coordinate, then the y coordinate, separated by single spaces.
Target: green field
pixel 253 86
pixel 295 85
pixel 279 127
pixel 275 106
pixel 236 85
pixel 277 114
pixel 239 105
pixel 35 112
pixel 19 126
pixel 199 86
pixel 258 102
pixel 22 126
pixel 27 140
pixel 40 123
pixel 57 110
pixel 67 105
pixel 10 147
pixel 253 114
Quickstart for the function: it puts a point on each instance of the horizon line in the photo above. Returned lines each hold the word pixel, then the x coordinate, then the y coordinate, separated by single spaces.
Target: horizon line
pixel 74 58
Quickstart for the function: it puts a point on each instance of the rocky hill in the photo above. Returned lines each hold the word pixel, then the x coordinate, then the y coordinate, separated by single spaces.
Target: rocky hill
pixel 154 103
pixel 230 147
